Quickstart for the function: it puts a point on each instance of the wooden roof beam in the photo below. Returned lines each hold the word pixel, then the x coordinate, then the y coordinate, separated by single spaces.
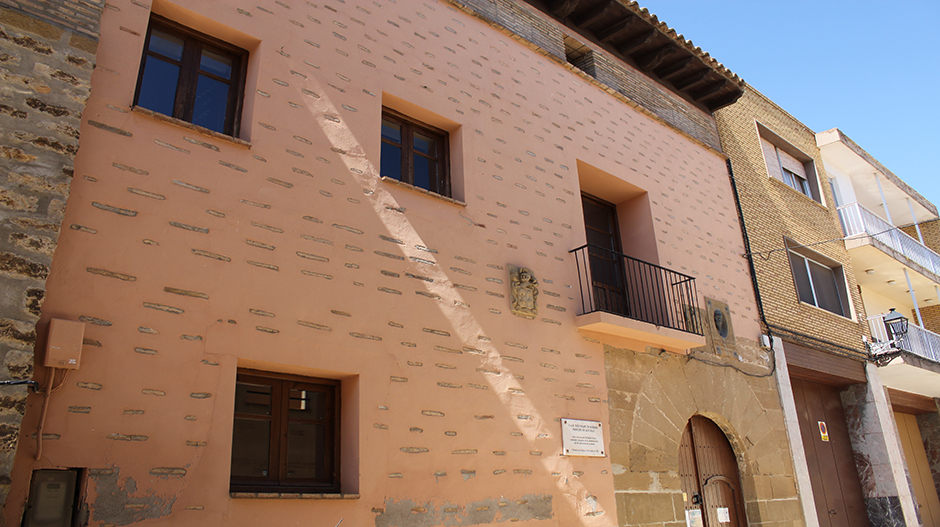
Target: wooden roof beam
pixel 593 16
pixel 709 90
pixel 656 57
pixel 563 8
pixel 675 68
pixel 637 42
pixel 616 28
pixel 724 100
pixel 691 80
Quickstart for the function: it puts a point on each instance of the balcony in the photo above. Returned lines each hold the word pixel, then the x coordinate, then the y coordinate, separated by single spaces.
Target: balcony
pixel 630 298
pixel 858 221
pixel 909 371
pixel 918 340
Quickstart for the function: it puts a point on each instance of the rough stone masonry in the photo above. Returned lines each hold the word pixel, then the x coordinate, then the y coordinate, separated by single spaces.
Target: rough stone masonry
pixel 47 51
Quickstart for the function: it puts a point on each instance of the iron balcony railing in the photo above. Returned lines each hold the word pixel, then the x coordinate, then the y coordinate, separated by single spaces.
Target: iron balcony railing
pixel 857 220
pixel 918 340
pixel 618 284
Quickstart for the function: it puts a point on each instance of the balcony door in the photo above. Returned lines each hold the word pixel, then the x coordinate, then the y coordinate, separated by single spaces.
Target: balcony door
pixel 605 255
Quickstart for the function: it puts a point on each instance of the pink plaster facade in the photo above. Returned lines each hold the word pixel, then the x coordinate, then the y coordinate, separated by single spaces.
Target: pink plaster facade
pixel 188 256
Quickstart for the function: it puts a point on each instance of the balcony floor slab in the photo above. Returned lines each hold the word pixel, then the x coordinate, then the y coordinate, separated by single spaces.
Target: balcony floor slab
pixel 669 339
pixel 913 374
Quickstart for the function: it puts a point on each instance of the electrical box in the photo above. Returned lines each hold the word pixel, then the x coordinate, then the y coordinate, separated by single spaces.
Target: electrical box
pixel 64 345
pixel 52 498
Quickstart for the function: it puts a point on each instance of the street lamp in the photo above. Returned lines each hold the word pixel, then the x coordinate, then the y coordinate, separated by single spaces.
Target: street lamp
pixel 896 324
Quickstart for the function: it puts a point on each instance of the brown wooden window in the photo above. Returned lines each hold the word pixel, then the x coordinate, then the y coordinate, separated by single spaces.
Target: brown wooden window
pixel 192 77
pixel 286 434
pixel 414 153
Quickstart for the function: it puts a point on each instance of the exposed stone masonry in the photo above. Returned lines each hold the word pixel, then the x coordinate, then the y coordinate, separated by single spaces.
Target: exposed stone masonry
pixel 47 52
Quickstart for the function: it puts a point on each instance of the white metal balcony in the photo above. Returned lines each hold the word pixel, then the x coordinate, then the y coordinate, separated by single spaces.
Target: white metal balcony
pixel 857 220
pixel 918 340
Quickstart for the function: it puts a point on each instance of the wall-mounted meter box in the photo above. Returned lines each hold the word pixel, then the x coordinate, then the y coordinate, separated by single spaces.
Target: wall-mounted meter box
pixel 51 499
pixel 64 345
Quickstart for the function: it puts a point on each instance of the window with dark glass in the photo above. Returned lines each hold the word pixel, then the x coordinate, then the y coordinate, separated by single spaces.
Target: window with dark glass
pixel 414 153
pixel 818 284
pixel 192 77
pixel 797 182
pixel 285 436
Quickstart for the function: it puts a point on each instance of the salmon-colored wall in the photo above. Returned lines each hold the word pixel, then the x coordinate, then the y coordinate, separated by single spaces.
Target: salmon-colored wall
pixel 297 258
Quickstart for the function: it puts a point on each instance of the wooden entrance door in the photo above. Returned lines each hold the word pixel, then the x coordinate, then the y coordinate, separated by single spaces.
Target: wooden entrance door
pixel 919 469
pixel 836 489
pixel 708 470
pixel 604 255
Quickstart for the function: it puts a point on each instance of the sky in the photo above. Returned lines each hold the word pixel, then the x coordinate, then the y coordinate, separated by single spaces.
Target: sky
pixel 869 68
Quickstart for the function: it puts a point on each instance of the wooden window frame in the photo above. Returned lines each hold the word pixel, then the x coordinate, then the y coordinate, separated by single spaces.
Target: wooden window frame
pixel 280 419
pixel 194 43
pixel 409 127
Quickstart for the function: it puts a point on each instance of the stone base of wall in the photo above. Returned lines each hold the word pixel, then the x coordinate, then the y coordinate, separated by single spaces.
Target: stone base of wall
pixel 652 397
pixel 47 52
pixel 885 511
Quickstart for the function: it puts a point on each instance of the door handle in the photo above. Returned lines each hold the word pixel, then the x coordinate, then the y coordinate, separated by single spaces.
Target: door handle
pixel 832 512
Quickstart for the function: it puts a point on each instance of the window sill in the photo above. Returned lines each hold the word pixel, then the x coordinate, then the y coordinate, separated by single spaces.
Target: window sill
pixel 291 496
pixel 797 192
pixel 821 310
pixel 190 126
pixel 426 192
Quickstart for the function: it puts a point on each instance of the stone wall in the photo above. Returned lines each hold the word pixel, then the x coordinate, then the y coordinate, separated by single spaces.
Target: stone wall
pixel 879 457
pixel 47 52
pixel 929 425
pixel 652 397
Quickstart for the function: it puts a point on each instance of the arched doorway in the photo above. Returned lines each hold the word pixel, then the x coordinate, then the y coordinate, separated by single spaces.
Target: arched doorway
pixel 708 470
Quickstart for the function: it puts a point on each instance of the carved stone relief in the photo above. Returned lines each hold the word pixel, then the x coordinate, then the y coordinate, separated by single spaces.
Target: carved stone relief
pixel 524 292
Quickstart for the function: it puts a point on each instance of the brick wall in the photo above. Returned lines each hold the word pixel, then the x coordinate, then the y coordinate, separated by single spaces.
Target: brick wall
pixel 774 212
pixel 931 232
pixel 47 51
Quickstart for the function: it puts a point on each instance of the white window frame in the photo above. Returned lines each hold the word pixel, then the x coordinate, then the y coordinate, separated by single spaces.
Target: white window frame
pixel 796 181
pixel 809 184
pixel 838 272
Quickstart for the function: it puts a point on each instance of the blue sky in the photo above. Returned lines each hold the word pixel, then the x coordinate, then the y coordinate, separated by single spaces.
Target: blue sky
pixel 871 69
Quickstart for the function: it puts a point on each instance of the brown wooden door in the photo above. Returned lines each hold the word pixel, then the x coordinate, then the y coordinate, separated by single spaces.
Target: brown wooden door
pixel 836 489
pixel 708 471
pixel 918 467
pixel 604 255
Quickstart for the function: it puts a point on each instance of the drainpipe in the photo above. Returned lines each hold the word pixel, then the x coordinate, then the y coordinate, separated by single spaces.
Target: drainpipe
pixel 916 225
pixel 747 249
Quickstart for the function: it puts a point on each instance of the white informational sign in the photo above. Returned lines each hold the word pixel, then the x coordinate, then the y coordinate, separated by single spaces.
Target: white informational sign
pixel 582 438
pixel 723 515
pixel 693 518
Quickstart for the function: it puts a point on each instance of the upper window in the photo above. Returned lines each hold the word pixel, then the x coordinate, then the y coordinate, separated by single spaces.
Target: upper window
pixel 415 153
pixel 286 435
pixel 819 284
pixel 192 77
pixel 796 182
pixel 788 164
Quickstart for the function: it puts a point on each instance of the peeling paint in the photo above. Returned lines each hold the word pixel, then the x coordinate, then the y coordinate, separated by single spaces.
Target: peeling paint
pixel 117 502
pixel 407 513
